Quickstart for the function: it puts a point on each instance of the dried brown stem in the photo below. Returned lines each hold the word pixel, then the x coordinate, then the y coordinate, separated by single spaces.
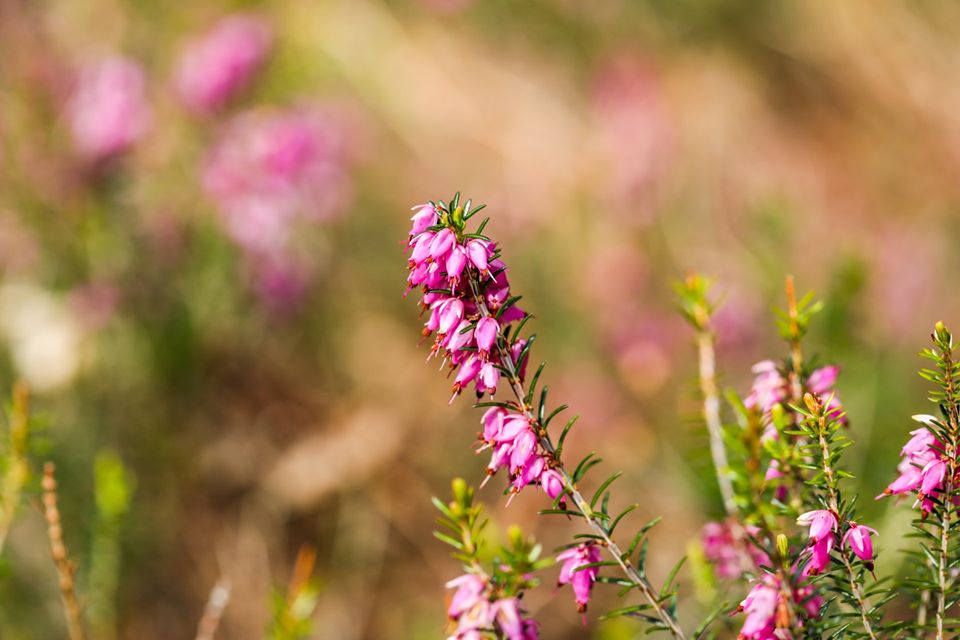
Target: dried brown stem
pixel 66 570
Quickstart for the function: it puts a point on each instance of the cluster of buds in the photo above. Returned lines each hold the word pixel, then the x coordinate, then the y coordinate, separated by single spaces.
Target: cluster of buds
pixel 726 546
pixel 824 526
pixel 771 609
pixel 923 467
pixel 477 612
pixel 578 572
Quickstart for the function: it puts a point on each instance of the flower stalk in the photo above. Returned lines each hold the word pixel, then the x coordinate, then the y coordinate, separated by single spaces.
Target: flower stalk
pixel 638 581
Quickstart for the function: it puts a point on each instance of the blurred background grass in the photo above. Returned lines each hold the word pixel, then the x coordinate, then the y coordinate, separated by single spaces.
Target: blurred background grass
pixel 617 145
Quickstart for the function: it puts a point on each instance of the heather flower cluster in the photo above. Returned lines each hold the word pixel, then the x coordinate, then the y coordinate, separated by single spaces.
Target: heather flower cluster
pixel 922 468
pixel 474 326
pixel 726 545
pixel 466 295
pixel 477 612
pixel 771 388
pixel 270 171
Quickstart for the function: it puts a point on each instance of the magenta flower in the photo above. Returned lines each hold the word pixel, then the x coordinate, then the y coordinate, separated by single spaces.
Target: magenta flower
pixel 469 592
pixel 552 483
pixel 424 218
pixel 582 580
pixel 486 332
pixel 858 539
pixel 271 169
pixel 822 523
pixel 108 111
pixel 922 468
pixel 819 556
pixel 215 67
pixel 769 387
pixel 726 553
pixel 760 605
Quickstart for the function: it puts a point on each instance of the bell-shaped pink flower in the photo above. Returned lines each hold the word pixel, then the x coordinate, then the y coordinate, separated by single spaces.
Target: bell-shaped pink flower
pixel 424 217
pixel 478 252
pixel 486 332
pixel 449 316
pixel 822 380
pixel 442 243
pixel 455 264
pixel 524 448
pixel 932 476
pixel 760 605
pixel 507 615
pixel 858 538
pixel 469 591
pixel 217 66
pixel 819 556
pixel 488 378
pixel 552 483
pixel 582 580
pixel 822 523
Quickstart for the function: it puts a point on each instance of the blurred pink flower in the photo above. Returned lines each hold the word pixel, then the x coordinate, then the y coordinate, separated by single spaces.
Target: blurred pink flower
pixel 272 168
pixel 635 132
pixel 108 110
pixel 218 65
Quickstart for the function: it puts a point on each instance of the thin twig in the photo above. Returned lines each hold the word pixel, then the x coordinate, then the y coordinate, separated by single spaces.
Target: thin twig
pixel 953 420
pixel 213 612
pixel 711 415
pixel 834 504
pixel 639 581
pixel 66 570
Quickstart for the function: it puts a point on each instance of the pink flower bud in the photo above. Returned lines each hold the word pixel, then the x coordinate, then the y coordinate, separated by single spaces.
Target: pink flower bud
pixel 858 538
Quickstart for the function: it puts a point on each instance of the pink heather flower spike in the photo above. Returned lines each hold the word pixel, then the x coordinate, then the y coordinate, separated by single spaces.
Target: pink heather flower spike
pixel 858 538
pixel 108 111
pixel 217 66
pixel 822 523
